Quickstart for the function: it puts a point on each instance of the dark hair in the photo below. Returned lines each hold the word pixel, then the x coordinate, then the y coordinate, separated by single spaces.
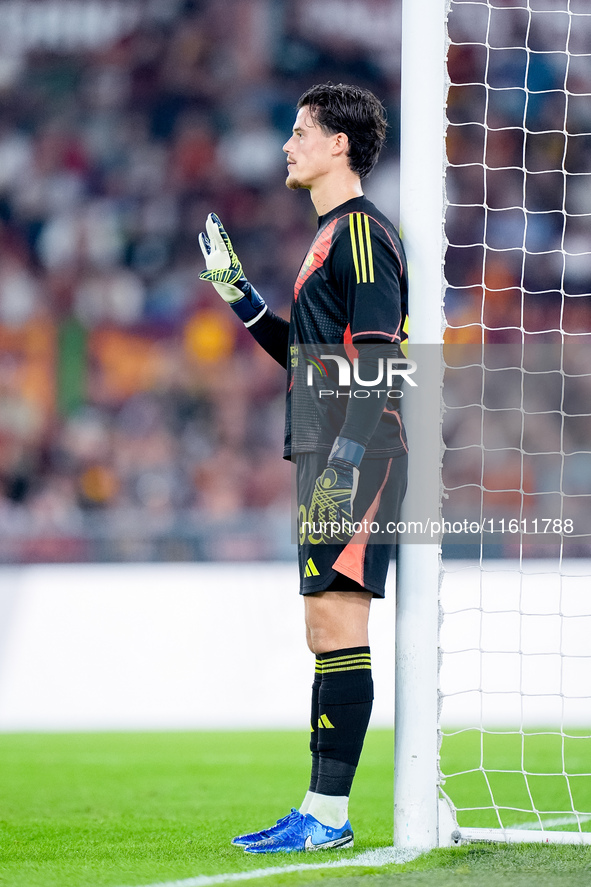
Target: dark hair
pixel 356 112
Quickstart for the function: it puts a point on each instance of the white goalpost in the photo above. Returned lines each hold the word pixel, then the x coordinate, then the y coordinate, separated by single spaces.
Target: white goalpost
pixel 493 642
pixel 416 816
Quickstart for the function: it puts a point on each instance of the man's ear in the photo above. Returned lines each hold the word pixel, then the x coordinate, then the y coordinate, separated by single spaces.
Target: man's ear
pixel 340 144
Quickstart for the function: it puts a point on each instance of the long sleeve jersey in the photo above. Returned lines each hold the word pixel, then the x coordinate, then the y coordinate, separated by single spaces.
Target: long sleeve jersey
pixel 350 298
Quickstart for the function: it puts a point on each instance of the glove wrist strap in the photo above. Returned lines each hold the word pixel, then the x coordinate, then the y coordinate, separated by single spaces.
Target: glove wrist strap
pixel 347 451
pixel 248 323
pixel 251 307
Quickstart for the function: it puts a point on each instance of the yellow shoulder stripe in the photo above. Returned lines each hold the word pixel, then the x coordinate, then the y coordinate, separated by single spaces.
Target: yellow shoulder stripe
pixel 354 244
pixel 361 247
pixel 369 250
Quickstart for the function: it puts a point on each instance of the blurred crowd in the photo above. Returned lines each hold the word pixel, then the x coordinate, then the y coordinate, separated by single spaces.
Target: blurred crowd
pixel 518 266
pixel 519 180
pixel 138 420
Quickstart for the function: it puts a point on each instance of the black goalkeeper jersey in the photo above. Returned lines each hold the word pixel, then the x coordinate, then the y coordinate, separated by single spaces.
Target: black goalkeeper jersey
pixel 351 289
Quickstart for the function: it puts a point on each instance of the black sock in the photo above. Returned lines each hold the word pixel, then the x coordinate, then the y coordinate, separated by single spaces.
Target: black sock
pixel 314 730
pixel 344 708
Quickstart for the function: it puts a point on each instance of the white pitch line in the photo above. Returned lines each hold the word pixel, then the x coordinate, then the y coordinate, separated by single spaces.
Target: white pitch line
pixel 552 823
pixel 374 858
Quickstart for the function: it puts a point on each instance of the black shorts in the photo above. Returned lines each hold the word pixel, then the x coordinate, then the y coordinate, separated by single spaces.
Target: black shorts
pixel 361 562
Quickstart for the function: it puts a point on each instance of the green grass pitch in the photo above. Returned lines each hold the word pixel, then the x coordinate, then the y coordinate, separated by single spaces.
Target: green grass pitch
pixel 98 809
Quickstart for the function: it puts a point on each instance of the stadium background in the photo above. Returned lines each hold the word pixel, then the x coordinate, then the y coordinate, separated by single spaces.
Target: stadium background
pixel 138 420
pixel 139 423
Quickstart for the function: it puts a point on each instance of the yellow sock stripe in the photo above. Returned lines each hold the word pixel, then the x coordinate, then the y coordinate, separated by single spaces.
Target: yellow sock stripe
pixel 361 248
pixel 354 245
pixel 351 657
pixel 343 663
pixel 323 671
pixel 346 668
pixel 369 249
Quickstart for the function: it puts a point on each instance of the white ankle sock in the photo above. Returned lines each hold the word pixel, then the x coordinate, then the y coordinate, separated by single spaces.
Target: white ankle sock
pixel 327 809
pixel 306 802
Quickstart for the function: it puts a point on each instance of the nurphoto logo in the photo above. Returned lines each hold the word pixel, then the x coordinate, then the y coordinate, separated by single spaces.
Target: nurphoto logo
pixel 387 370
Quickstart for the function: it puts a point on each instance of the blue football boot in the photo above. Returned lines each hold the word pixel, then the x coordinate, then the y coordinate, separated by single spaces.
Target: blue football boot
pixel 304 833
pixel 254 837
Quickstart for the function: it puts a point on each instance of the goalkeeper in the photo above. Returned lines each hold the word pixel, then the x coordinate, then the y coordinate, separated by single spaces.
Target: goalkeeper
pixel 349 301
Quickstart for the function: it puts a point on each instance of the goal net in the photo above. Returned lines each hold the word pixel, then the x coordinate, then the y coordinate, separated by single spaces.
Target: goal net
pixel 515 637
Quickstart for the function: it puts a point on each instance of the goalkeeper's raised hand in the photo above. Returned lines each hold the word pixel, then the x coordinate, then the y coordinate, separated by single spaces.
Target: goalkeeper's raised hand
pixel 224 271
pixel 331 509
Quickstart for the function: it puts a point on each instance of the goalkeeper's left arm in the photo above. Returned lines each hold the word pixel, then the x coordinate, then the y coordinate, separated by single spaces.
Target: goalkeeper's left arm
pixel 224 271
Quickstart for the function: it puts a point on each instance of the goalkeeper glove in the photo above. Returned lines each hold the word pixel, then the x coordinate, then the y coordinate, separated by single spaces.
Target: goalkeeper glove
pixel 335 489
pixel 224 270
